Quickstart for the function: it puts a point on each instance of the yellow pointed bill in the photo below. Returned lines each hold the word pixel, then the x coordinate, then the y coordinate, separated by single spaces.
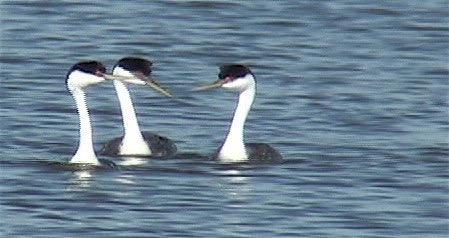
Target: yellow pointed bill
pixel 152 83
pixel 137 80
pixel 212 85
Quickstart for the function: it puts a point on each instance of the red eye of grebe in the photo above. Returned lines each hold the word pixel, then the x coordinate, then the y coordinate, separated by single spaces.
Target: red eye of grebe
pixel 99 73
pixel 229 79
pixel 140 74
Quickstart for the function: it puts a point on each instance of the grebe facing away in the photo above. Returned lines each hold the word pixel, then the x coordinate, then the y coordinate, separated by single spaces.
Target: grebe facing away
pixel 239 78
pixel 134 142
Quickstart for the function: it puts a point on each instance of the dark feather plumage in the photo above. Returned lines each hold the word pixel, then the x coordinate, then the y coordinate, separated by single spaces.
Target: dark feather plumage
pixel 159 145
pixel 258 153
pixel 262 153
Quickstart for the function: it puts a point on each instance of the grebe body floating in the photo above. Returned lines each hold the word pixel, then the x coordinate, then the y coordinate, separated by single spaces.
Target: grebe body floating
pixel 239 78
pixel 133 142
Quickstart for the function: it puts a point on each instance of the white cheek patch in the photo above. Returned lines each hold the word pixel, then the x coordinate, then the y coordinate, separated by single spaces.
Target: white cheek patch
pixel 122 72
pixel 240 84
pixel 78 79
pixel 130 78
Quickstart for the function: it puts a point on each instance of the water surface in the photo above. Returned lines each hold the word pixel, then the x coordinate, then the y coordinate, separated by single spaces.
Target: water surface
pixel 354 95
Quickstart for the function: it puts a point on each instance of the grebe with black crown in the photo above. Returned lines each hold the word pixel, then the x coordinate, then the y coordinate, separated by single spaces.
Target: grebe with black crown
pixel 134 142
pixel 239 78
pixel 80 76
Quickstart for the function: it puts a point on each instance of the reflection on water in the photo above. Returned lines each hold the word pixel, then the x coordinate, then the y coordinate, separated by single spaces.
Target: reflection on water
pixel 81 179
pixel 127 179
pixel 132 161
pixel 235 185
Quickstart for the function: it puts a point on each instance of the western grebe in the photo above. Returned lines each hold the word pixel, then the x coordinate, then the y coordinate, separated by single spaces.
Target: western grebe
pixel 81 75
pixel 134 142
pixel 239 78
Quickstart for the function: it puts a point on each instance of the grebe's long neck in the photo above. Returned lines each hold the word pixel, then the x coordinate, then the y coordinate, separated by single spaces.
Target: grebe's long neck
pixel 233 149
pixel 129 117
pixel 133 142
pixel 85 153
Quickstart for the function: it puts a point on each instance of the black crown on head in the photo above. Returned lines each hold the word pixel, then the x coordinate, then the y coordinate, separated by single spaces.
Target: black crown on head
pixel 89 67
pixel 233 71
pixel 135 64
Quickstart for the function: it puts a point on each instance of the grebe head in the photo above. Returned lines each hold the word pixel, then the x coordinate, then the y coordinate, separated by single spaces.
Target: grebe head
pixel 137 70
pixel 235 77
pixel 84 74
pixel 133 67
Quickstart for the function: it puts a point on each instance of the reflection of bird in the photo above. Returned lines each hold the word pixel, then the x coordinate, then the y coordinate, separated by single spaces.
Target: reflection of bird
pixel 134 142
pixel 240 78
pixel 81 75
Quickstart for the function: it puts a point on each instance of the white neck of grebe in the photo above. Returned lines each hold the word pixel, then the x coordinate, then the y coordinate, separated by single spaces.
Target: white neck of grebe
pixel 133 142
pixel 85 153
pixel 233 149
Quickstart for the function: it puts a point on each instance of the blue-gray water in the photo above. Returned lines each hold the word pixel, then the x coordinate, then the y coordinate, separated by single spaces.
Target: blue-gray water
pixel 354 95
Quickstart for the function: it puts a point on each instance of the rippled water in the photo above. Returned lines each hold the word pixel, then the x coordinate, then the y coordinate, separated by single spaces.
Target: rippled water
pixel 354 95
